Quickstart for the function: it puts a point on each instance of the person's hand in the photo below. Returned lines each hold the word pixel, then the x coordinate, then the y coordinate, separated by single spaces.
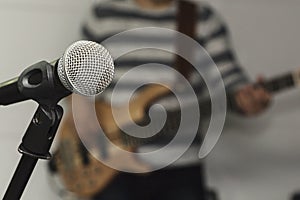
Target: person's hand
pixel 252 100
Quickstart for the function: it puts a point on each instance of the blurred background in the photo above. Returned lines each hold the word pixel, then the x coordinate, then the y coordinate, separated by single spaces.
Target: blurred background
pixel 255 159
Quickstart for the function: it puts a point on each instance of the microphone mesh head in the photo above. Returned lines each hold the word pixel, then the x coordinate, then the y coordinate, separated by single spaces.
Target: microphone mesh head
pixel 86 68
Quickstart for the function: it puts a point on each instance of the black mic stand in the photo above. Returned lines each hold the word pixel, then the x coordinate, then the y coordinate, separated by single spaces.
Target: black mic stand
pixel 35 145
pixel 40 83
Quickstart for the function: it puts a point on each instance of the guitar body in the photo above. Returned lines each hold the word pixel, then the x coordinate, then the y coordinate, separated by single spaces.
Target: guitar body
pixel 82 173
pixel 84 178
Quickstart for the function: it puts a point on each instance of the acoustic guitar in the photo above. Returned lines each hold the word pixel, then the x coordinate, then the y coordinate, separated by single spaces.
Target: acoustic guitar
pixel 85 176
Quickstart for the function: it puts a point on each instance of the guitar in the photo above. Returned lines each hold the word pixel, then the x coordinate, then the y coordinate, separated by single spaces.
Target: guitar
pixel 85 175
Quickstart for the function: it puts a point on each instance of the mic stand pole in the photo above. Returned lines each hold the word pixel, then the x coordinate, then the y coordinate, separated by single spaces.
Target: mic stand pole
pixel 35 145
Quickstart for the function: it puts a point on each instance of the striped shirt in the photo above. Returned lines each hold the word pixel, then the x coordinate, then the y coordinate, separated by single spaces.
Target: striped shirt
pixel 109 18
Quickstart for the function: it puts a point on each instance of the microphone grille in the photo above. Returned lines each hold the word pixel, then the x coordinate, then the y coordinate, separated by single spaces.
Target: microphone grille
pixel 86 68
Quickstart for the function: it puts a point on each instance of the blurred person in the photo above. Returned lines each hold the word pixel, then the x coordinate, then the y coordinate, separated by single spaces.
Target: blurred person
pixel 185 178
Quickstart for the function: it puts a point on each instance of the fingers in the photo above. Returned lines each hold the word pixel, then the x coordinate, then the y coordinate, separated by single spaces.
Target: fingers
pixel 247 101
pixel 253 100
pixel 262 95
pixel 260 79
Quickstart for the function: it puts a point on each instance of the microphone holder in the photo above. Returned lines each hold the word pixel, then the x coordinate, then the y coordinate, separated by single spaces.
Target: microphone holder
pixel 40 83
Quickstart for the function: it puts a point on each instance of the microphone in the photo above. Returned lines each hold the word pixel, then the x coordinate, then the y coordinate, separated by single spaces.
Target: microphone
pixel 85 68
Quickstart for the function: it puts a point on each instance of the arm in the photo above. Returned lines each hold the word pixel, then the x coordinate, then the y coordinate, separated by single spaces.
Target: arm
pixel 242 97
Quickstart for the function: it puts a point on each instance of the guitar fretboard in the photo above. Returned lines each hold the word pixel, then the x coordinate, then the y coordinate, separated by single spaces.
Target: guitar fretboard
pixel 279 83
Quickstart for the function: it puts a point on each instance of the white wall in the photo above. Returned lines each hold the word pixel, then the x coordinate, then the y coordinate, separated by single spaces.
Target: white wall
pixel 31 31
pixel 259 158
pixel 255 159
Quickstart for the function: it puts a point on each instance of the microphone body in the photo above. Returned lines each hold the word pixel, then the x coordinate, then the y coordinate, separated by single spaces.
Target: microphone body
pixel 86 68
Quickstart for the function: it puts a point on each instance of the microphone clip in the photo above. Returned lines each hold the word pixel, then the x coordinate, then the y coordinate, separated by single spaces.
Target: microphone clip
pixel 41 83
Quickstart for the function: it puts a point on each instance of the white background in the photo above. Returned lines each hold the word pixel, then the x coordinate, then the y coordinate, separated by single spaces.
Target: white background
pixel 255 159
pixel 259 158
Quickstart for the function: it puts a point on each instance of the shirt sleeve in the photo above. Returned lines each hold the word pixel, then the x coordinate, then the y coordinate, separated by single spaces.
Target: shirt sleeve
pixel 217 42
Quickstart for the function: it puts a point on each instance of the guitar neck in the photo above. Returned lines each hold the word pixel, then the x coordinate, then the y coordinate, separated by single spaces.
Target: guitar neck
pixel 282 82
pixel 273 85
